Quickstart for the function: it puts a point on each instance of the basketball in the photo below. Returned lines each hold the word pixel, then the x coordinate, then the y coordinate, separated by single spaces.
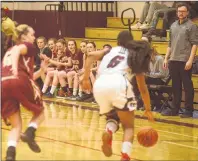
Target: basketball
pixel 147 136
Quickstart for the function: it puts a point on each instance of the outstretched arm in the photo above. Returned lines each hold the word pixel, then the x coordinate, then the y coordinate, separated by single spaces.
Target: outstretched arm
pixel 145 95
pixel 91 57
pixel 38 73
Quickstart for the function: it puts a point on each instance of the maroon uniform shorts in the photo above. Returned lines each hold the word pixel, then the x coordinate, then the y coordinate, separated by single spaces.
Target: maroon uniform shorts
pixel 16 91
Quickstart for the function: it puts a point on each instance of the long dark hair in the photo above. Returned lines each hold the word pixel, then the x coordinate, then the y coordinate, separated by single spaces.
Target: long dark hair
pixel 139 52
pixel 124 37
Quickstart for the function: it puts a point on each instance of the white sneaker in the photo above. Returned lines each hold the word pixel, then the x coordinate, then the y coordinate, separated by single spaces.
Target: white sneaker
pixel 136 26
pixel 145 26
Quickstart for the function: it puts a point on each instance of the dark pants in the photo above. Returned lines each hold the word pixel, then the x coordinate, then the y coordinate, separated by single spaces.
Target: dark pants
pixel 181 76
pixel 169 18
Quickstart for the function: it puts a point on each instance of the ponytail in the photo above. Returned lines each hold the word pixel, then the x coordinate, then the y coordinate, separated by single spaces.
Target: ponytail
pixel 19 31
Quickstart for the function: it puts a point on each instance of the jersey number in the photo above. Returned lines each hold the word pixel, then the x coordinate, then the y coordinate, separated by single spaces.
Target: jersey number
pixel 115 61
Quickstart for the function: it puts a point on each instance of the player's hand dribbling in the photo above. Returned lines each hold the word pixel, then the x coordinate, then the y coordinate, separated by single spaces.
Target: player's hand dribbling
pixel 149 115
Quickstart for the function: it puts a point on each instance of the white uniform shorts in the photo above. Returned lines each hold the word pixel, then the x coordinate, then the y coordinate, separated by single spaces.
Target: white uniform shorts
pixel 114 91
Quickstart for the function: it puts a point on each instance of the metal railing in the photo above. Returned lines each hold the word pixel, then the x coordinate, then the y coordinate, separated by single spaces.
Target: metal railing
pixel 129 20
pixel 55 7
pixel 93 6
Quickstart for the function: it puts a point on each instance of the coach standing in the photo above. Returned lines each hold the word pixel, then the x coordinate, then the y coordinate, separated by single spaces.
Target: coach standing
pixel 181 51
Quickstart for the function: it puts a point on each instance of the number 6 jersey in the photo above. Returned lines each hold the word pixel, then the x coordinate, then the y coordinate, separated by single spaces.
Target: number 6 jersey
pixel 112 87
pixel 114 62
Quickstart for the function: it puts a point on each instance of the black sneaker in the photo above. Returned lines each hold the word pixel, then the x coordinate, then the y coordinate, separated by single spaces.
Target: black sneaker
pixel 49 95
pixel 90 99
pixel 11 153
pixel 94 101
pixel 186 114
pixel 84 97
pixel 169 112
pixel 28 137
pixel 73 98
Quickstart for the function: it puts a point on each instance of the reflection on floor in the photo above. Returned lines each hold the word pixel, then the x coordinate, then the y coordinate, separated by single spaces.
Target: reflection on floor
pixel 72 131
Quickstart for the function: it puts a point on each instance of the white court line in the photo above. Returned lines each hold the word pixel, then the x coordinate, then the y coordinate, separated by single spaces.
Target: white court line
pixel 187 146
pixel 174 133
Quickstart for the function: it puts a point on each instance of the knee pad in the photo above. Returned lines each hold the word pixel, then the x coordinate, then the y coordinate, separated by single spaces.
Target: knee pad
pixel 112 117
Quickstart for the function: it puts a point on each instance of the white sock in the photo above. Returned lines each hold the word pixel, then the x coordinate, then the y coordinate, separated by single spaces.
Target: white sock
pixel 12 143
pixel 53 88
pixel 33 124
pixel 44 89
pixel 80 92
pixel 112 126
pixel 127 147
pixel 75 91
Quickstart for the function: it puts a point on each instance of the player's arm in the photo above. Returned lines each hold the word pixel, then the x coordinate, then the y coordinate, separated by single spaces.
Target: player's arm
pixel 69 62
pixel 97 55
pixel 38 73
pixel 91 57
pixel 144 94
pixel 51 61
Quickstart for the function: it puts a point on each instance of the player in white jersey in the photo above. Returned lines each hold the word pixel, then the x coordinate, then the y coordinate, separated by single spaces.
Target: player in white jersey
pixel 113 90
pixel 113 67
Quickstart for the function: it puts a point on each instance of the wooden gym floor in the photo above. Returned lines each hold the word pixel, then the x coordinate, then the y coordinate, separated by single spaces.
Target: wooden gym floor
pixel 72 131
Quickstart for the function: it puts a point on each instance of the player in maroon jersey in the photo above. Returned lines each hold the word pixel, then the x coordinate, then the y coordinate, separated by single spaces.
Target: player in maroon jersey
pixel 68 74
pixel 18 87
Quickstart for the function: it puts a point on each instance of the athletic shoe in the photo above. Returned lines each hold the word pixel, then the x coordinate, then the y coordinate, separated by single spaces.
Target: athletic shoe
pixel 29 137
pixel 107 143
pixel 125 157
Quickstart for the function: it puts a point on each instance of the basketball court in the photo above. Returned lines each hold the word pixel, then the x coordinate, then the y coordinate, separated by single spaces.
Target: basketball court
pixel 72 131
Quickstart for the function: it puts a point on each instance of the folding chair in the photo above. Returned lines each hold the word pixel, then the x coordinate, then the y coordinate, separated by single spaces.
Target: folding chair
pixel 160 94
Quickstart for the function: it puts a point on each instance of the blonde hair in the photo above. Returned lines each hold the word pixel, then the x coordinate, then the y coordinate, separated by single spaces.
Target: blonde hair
pixel 19 31
pixel 8 26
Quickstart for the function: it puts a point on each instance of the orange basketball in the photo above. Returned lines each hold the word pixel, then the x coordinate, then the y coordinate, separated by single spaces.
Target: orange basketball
pixel 147 136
